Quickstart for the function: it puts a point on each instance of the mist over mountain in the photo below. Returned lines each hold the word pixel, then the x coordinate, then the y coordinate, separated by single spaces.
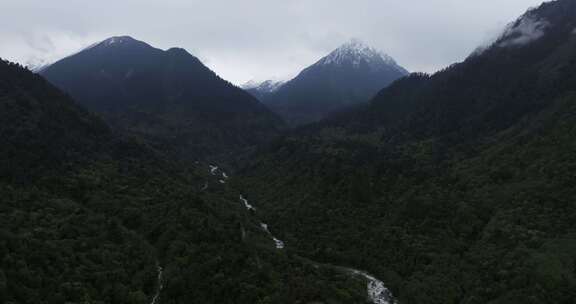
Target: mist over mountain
pixel 348 76
pixel 169 97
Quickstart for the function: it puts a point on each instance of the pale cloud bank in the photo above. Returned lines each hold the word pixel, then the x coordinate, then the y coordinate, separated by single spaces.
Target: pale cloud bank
pixel 260 39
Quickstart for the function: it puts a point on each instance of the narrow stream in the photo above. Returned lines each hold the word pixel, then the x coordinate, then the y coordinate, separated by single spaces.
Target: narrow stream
pixel 279 243
pixel 213 169
pixel 376 289
pixel 246 204
pixel 160 284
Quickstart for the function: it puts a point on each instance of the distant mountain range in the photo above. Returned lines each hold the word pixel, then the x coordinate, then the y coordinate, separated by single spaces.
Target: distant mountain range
pixel 168 97
pixel 261 90
pixel 348 76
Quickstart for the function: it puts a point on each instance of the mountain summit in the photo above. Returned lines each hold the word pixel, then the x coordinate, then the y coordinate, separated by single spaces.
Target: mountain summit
pixel 356 53
pixel 168 96
pixel 350 75
pixel 118 41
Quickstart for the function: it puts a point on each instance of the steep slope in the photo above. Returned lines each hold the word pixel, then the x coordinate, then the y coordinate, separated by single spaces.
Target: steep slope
pixel 451 188
pixel 53 246
pixel 37 120
pixel 530 64
pixel 168 96
pixel 348 76
pixel 88 216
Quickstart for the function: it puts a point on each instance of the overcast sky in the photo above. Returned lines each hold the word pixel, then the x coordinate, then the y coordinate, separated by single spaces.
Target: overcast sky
pixel 259 39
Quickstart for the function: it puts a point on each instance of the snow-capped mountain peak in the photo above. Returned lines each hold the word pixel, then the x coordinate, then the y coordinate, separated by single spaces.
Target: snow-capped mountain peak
pixel 115 42
pixel 118 40
pixel 355 53
pixel 39 65
pixel 268 86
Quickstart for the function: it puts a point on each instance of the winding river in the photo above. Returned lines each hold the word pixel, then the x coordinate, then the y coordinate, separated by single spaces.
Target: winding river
pixel 376 289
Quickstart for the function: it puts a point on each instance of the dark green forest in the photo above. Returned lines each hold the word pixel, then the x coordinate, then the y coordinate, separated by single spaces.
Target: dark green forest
pixel 456 187
pixel 86 215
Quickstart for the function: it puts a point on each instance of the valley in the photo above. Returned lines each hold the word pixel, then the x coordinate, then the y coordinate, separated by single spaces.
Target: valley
pixel 134 174
pixel 376 291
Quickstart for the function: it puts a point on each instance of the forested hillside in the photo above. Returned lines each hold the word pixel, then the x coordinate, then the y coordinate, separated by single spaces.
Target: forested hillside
pixel 456 187
pixel 87 216
pixel 167 98
pixel 120 179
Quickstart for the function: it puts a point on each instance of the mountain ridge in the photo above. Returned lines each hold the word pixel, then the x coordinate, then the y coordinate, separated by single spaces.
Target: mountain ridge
pixel 348 76
pixel 262 89
pixel 168 97
pixel 354 52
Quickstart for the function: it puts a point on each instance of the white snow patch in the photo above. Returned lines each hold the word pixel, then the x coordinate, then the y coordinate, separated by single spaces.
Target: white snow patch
pixel 112 40
pixel 224 175
pixel 267 86
pixel 108 42
pixel 246 204
pixel 222 181
pixel 37 65
pixel 524 31
pixel 117 40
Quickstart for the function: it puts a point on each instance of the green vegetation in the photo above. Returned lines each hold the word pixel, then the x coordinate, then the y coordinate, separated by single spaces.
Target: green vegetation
pixel 451 188
pixel 496 226
pixel 86 216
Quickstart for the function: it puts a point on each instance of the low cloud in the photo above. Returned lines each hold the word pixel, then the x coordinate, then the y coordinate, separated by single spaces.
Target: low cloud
pixel 37 49
pixel 257 39
pixel 524 31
